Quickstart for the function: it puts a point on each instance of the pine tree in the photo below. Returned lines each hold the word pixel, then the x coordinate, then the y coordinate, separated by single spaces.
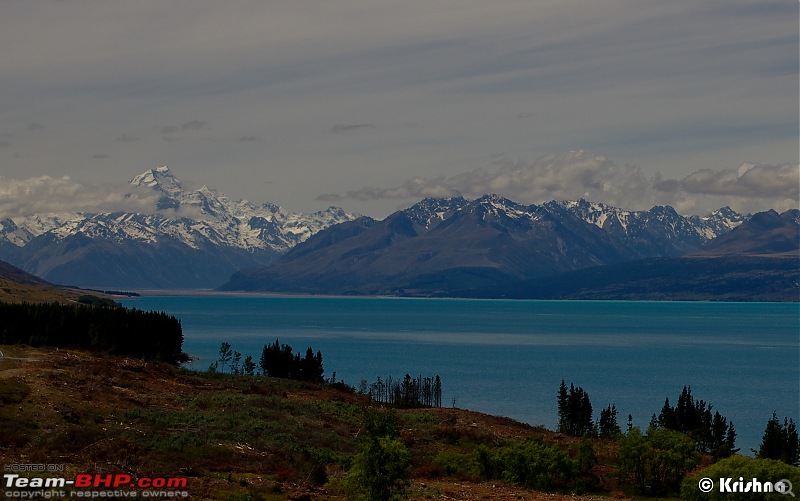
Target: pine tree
pixel 607 423
pixel 574 411
pixel 780 441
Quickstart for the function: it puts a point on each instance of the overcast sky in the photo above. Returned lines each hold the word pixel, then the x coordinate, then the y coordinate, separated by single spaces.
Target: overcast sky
pixel 372 105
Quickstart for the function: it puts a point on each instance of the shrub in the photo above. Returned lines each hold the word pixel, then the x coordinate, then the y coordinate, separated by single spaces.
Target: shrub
pixel 531 464
pixel 382 465
pixel 763 470
pixel 656 463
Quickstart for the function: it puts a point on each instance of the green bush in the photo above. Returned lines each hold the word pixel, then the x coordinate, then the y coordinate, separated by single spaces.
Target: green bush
pixel 656 463
pixel 454 464
pixel 531 464
pixel 381 467
pixel 736 467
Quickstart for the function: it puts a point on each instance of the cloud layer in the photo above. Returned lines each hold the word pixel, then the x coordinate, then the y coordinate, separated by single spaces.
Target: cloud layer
pixel 579 174
pixel 570 176
pixel 282 101
pixel 49 195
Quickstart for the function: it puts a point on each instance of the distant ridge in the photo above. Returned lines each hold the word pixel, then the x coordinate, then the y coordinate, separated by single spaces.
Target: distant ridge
pixel 16 275
pixel 17 286
pixel 440 246
pixel 765 234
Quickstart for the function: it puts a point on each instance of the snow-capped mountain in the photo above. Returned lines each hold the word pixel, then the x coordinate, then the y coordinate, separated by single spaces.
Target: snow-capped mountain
pixel 450 244
pixel 660 229
pixel 217 236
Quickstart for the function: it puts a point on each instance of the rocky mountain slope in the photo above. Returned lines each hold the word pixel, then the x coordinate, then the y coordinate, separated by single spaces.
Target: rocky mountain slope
pixel 756 261
pixel 765 234
pixel 192 238
pixel 441 245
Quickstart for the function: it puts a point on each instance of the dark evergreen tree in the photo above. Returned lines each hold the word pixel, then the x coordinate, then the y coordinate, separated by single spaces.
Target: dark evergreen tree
pixel 118 331
pixel 607 423
pixel 780 441
pixel 574 411
pixel 711 433
pixel 310 367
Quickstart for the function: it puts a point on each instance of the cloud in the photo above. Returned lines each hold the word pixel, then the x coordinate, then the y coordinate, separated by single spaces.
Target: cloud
pixel 194 125
pixel 580 174
pixel 339 128
pixel 250 139
pixel 124 138
pixel 749 180
pixel 416 188
pixel 101 156
pixel 47 195
pixel 35 127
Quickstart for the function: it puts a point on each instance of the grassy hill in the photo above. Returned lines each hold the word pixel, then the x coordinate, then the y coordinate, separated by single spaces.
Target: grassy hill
pixel 232 437
pixel 17 286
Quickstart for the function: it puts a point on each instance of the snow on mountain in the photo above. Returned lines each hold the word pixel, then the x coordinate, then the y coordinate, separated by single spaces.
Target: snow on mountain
pixel 189 239
pixel 629 223
pixel 195 218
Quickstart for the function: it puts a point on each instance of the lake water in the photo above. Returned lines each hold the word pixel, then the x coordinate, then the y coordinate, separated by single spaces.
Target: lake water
pixel 508 357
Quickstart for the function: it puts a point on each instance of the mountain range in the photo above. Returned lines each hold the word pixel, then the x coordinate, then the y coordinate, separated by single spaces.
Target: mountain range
pixel 453 245
pixel 488 247
pixel 192 238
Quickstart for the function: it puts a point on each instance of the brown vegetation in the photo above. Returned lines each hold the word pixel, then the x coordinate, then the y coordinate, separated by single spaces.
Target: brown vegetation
pixel 233 437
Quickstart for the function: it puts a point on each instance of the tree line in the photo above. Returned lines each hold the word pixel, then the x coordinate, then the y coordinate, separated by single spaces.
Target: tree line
pixel 406 394
pixel 277 360
pixel 656 461
pixel 114 330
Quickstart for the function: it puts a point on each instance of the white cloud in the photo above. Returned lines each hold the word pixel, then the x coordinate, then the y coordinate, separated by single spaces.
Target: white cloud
pixel 580 174
pixel 47 195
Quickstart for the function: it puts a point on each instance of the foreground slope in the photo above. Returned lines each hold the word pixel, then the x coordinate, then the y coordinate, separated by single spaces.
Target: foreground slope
pixel 230 437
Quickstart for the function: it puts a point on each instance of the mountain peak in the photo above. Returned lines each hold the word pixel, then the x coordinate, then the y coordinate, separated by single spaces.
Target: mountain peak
pixel 160 179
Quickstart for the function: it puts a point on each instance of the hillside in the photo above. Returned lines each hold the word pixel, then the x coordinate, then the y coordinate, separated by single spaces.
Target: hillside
pixel 18 286
pixel 765 234
pixel 727 278
pixel 231 437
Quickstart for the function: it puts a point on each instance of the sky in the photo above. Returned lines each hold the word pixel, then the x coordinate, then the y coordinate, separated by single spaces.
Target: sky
pixel 372 105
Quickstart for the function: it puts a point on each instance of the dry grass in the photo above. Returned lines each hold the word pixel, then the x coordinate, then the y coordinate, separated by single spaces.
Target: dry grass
pixel 233 437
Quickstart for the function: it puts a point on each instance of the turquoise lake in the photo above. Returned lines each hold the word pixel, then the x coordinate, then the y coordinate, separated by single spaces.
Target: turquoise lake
pixel 508 357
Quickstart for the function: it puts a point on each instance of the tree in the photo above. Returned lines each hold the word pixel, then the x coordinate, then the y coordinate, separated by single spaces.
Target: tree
pixel 574 411
pixel 248 367
pixel 382 464
pixel 607 423
pixel 780 442
pixel 225 354
pixel 713 433
pixel 237 360
pixel 310 367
